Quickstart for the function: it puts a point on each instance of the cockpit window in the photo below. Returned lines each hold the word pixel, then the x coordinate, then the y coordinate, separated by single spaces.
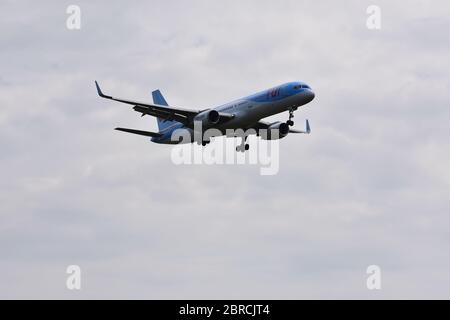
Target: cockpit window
pixel 302 86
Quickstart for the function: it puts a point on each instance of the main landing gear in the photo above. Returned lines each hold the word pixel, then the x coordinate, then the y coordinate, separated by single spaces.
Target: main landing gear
pixel 243 146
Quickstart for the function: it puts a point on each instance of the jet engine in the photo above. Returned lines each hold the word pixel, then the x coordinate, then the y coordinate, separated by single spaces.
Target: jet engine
pixel 208 118
pixel 277 130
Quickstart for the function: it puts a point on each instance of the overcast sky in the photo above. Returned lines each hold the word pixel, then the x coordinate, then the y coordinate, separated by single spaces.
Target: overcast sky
pixel 369 186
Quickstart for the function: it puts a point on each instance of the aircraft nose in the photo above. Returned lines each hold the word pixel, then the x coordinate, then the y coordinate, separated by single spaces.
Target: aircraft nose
pixel 311 95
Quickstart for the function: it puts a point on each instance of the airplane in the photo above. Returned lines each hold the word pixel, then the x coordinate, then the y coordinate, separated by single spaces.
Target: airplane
pixel 245 113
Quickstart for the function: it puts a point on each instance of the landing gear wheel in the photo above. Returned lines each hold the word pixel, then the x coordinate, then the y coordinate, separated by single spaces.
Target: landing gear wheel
pixel 243 146
pixel 291 115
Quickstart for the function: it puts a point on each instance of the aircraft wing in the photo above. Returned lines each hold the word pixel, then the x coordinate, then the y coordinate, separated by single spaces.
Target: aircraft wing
pixel 307 129
pixel 260 125
pixel 168 113
pixel 140 132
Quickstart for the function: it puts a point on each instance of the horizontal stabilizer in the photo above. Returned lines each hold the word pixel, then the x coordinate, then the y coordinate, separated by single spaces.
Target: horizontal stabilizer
pixel 139 132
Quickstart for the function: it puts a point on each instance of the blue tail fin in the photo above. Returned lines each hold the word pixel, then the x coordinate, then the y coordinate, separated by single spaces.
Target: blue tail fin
pixel 159 99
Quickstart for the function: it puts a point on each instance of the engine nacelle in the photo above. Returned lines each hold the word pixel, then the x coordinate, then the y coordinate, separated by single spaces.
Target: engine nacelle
pixel 208 118
pixel 277 130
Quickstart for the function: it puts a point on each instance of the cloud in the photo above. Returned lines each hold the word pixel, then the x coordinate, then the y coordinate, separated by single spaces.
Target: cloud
pixel 368 186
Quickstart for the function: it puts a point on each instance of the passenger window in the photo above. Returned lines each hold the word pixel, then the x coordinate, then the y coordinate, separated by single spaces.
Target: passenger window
pixel 274 92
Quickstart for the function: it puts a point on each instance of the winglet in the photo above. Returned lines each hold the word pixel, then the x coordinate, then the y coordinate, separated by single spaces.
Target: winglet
pixel 99 91
pixel 308 129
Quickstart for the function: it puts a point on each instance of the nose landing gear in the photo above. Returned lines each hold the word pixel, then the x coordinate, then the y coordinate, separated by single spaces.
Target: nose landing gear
pixel 291 116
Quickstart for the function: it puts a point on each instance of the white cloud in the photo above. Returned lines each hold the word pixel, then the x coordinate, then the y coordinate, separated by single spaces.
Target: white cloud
pixel 369 186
